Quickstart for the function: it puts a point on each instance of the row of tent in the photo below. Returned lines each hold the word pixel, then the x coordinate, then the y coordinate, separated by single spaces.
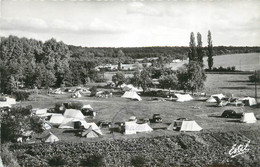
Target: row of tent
pixel 249 101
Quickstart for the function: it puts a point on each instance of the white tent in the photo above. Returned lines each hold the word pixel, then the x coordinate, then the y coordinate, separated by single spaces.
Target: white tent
pixel 130 87
pixel 190 126
pixel 132 95
pixel 46 126
pixel 8 103
pixel 51 138
pixel 211 99
pixel 183 97
pixel 88 106
pixel 248 118
pixel 72 113
pixel 68 123
pixel 249 101
pixel 56 119
pixel 90 133
pixel 133 128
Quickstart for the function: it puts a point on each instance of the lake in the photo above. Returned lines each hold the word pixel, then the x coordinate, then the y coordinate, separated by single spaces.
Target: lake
pixel 243 62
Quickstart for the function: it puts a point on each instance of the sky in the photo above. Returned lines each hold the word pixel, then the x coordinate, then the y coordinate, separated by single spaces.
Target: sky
pixel 133 23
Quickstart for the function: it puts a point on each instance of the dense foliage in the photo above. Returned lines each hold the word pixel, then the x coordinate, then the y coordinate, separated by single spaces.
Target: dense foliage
pixel 17 121
pixel 181 149
pixel 31 63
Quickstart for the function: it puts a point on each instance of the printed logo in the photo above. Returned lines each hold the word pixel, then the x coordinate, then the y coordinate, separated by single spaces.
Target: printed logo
pixel 238 149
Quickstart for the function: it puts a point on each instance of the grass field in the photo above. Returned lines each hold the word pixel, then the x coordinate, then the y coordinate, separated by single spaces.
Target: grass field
pixel 119 109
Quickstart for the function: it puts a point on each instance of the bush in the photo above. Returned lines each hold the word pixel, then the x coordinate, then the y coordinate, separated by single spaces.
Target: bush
pixel 255 77
pixel 93 91
pixel 8 158
pixel 57 161
pixel 21 95
pixel 138 161
pixel 94 160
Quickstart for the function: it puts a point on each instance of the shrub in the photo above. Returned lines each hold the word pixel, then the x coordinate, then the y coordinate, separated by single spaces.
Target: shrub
pixel 94 160
pixel 255 77
pixel 138 161
pixel 93 91
pixel 8 158
pixel 57 161
pixel 21 95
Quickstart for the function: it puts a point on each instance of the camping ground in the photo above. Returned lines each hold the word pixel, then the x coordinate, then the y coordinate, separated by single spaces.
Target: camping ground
pixel 214 141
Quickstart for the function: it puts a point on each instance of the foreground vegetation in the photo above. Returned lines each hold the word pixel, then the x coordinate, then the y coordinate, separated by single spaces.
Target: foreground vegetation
pixel 191 149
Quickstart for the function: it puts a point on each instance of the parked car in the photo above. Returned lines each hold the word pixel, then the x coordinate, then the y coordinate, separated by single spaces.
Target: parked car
pixel 156 118
pixel 232 114
pixel 104 124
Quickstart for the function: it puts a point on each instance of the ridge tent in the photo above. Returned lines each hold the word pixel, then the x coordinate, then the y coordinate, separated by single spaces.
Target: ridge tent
pixel 72 113
pixel 248 118
pixel 69 123
pixel 56 119
pixel 249 101
pixel 7 102
pixel 190 126
pixel 133 128
pixel 90 133
pixel 92 125
pixel 131 95
pixel 46 126
pixel 50 138
pixel 41 111
pixel 130 87
pixel 211 99
pixel 183 97
pixel 88 106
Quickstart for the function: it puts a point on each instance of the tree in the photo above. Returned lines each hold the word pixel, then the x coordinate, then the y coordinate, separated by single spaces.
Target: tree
pixel 17 121
pixel 199 48
pixel 169 82
pixel 210 51
pixel 145 79
pixel 192 76
pixel 118 78
pixel 192 51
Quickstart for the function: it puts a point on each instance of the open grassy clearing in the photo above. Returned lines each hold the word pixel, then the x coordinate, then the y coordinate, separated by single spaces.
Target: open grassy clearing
pixel 117 109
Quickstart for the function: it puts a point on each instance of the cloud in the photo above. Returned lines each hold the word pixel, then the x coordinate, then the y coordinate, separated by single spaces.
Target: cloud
pixel 35 25
pixel 140 8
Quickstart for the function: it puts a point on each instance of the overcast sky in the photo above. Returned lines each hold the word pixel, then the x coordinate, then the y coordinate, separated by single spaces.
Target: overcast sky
pixel 130 24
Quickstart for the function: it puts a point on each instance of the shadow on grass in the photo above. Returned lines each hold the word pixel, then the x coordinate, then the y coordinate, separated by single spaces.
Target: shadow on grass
pixel 239 87
pixel 234 120
pixel 215 116
pixel 238 81
pixel 212 106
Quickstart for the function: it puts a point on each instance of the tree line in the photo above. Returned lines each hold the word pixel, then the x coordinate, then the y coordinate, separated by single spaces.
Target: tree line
pixel 32 63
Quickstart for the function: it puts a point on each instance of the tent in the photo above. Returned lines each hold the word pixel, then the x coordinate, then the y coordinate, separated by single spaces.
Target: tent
pixel 56 119
pixel 211 99
pixel 7 102
pixel 130 87
pixel 68 123
pixel 249 101
pixel 183 97
pixel 72 113
pixel 132 95
pixel 88 106
pixel 46 125
pixel 76 94
pixel 248 118
pixel 50 138
pixel 190 126
pixel 90 133
pixel 133 128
